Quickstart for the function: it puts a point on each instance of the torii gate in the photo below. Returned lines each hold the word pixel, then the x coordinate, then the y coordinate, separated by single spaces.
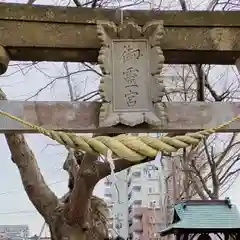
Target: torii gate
pixel 40 33
pixel 46 33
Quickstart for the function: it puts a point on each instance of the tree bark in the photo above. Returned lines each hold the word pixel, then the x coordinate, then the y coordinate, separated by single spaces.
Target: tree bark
pixel 88 218
pixel 78 215
pixel 53 209
pixel 37 190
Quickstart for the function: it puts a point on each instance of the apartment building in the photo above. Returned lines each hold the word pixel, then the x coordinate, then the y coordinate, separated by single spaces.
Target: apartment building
pixel 140 199
pixel 16 232
pixel 135 203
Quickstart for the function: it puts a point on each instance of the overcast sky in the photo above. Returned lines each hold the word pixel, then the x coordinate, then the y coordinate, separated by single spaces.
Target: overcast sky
pixel 21 82
pixel 50 158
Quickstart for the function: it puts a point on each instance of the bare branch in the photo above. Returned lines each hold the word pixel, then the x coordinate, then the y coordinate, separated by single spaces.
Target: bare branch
pixel 70 88
pixel 120 164
pixel 212 164
pixel 94 4
pixel 77 3
pixel 229 146
pixel 228 173
pixel 36 188
pixel 200 83
pixel 193 179
pixel 30 2
pixel 198 174
pixel 85 178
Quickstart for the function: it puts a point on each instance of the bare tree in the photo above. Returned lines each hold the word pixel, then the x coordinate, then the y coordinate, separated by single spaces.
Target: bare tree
pixel 217 157
pixel 79 214
pixel 210 169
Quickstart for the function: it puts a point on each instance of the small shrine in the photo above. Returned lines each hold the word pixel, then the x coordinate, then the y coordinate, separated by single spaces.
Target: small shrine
pixel 205 220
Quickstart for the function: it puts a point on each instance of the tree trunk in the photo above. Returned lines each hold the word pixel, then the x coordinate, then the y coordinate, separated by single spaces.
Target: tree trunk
pixel 60 230
pixel 91 220
pixel 78 215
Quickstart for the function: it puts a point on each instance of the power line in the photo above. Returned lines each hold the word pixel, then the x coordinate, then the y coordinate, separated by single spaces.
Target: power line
pixel 16 191
pixel 19 212
pixel 24 211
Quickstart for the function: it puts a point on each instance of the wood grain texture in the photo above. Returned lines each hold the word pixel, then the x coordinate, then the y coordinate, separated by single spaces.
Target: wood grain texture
pixel 82 117
pixel 43 33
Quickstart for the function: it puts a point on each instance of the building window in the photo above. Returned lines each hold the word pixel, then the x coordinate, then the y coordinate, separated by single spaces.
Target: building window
pixel 109 195
pixel 118 225
pixel 137 188
pixel 136 174
pixel 137 203
pixel 107 182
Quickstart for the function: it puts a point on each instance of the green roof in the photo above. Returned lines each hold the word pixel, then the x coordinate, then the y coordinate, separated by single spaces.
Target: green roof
pixel 204 215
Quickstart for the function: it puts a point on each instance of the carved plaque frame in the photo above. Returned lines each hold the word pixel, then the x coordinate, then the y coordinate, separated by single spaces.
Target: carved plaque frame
pixel 131 61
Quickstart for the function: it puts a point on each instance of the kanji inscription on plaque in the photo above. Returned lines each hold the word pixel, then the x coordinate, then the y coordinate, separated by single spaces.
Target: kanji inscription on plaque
pixel 131 74
pixel 131 61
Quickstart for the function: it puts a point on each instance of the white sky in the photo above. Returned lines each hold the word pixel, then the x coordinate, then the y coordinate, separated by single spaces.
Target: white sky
pixel 50 159
pixel 15 208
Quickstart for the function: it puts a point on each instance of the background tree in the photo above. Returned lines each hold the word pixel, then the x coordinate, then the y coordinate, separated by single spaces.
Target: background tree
pixel 65 216
pixel 208 171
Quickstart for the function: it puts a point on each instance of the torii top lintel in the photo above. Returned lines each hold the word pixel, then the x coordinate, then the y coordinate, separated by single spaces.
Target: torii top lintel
pixel 47 33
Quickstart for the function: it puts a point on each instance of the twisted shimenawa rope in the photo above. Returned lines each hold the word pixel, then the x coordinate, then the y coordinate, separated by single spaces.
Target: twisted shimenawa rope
pixel 131 148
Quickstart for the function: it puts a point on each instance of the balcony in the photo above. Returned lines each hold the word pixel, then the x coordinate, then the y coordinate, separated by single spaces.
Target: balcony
pixel 135 212
pixel 159 227
pixel 154 236
pixel 109 202
pixel 136 226
pixel 155 219
pixel 135 236
pixel 133 169
pixel 134 203
pixel 152 172
pixel 134 174
pixel 134 197
pixel 110 225
pixel 110 216
pixel 134 186
pixel 108 192
pixel 107 182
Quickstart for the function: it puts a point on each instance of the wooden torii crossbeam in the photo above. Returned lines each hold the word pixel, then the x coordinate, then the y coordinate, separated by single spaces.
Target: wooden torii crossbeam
pixel 46 33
